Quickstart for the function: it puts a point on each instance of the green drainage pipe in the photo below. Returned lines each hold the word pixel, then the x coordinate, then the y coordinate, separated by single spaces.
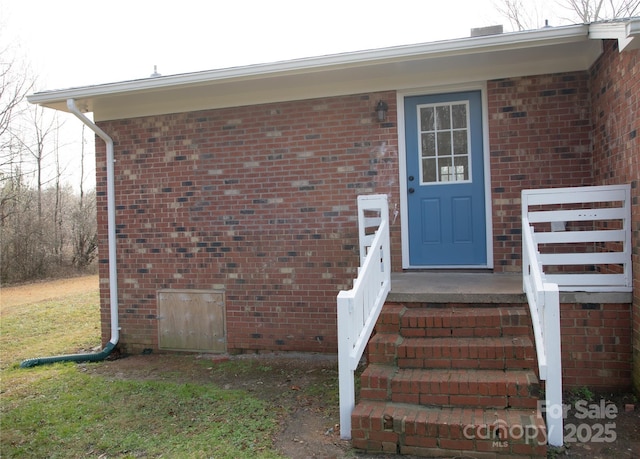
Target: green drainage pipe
pixel 78 358
pixel 113 272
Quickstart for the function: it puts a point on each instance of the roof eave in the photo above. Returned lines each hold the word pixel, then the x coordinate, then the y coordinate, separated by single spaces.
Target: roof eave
pixel 627 32
pixel 363 65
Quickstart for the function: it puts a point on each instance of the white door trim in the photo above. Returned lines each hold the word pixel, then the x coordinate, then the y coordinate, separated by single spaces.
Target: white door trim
pixel 402 166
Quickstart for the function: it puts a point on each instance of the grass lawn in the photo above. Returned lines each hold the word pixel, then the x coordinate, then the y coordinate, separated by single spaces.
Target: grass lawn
pixel 66 411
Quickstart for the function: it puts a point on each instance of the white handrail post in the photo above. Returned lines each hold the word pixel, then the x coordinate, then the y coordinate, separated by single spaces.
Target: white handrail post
pixel 346 384
pixel 359 308
pixel 553 392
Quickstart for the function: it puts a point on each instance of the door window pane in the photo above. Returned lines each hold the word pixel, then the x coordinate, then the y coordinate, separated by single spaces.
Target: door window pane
pixel 427 119
pixel 462 167
pixel 429 168
pixel 460 146
pixel 444 140
pixel 444 143
pixel 443 120
pixel 446 170
pixel 459 115
pixel 429 144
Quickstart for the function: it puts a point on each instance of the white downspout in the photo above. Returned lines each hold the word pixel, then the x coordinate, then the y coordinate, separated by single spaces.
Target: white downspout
pixel 113 279
pixel 111 218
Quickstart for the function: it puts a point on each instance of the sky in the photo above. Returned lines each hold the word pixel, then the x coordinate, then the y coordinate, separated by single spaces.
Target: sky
pixel 84 42
pixel 72 43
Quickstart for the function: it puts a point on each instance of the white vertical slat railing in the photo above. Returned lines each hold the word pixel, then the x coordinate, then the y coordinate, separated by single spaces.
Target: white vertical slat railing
pixel 359 308
pixel 586 228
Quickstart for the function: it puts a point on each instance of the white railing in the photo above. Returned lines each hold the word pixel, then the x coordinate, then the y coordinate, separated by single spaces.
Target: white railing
pixel 359 308
pixel 599 220
pixel 544 304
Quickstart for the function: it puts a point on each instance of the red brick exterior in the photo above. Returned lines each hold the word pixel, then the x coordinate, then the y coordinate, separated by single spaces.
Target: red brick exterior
pixel 596 346
pixel 539 136
pixel 615 100
pixel 260 200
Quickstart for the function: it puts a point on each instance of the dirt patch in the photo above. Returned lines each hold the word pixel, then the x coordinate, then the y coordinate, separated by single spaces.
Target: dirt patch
pixel 303 388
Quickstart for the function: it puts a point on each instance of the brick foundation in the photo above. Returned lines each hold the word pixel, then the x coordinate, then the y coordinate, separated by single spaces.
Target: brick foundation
pixel 596 346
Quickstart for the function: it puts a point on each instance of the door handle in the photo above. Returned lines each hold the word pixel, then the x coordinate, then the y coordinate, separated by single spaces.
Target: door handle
pixel 411 190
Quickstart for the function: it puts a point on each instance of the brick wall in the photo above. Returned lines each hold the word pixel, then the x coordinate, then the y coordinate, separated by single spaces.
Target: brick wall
pixel 259 201
pixel 539 134
pixel 615 99
pixel 596 345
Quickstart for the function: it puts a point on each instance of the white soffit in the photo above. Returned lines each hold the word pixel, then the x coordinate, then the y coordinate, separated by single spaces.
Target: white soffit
pixel 537 52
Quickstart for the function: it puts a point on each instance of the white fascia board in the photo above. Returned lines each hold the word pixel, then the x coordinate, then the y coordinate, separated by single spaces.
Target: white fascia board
pixel 433 72
pixel 627 32
pixel 355 64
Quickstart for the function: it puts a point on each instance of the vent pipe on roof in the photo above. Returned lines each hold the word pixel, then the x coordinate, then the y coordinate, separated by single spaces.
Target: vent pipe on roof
pixel 113 273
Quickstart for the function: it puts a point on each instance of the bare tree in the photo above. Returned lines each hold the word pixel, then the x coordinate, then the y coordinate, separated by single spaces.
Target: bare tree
pixel 527 14
pixel 15 84
pixel 35 137
pixel 520 14
pixel 21 242
pixel 85 239
pixel 84 231
pixel 61 240
pixel 60 205
pixel 587 11
pixel 45 228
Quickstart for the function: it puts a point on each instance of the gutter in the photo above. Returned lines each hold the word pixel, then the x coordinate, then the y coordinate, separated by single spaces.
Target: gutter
pixel 304 67
pixel 113 279
pixel 627 32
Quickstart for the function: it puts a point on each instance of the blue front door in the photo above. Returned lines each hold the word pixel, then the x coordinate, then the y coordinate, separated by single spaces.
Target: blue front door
pixel 445 180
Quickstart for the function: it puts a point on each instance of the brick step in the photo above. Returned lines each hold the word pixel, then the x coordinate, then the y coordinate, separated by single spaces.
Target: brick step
pixel 478 322
pixel 501 353
pixel 383 348
pixel 503 320
pixel 389 318
pixel 442 380
pixel 463 388
pixel 483 353
pixel 444 432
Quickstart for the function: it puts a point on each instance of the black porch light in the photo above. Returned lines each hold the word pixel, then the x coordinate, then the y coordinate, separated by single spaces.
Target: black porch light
pixel 381 110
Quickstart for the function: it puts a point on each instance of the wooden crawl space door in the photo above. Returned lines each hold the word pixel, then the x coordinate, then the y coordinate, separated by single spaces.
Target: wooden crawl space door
pixel 191 320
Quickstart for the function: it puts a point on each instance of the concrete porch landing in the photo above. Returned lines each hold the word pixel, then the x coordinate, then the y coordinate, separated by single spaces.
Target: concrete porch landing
pixel 454 287
pixel 480 287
